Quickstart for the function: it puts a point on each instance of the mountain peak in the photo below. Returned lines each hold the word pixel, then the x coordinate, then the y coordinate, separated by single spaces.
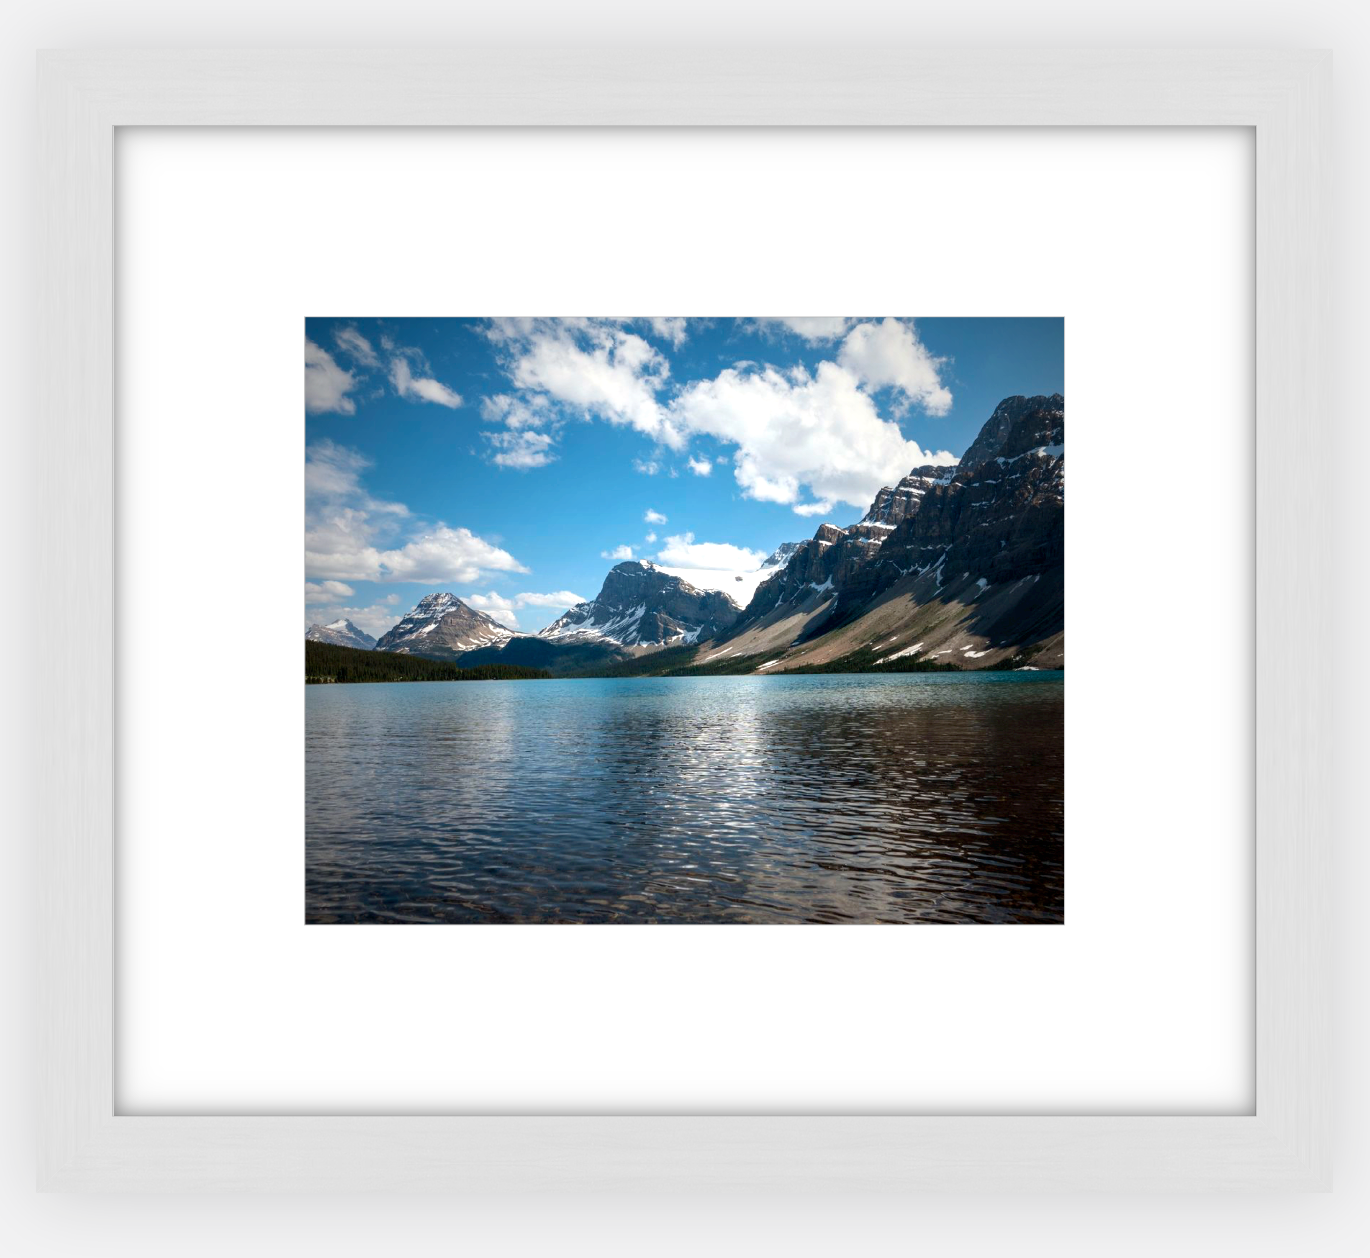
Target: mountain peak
pixel 640 605
pixel 441 626
pixel 997 428
pixel 340 633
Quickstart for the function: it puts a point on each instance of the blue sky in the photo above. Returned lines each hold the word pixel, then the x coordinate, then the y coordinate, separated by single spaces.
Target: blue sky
pixel 513 461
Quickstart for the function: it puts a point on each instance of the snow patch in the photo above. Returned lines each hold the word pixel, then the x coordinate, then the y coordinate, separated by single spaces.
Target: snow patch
pixel 899 655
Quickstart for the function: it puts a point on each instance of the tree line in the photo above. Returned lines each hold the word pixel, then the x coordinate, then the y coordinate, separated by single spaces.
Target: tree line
pixel 326 663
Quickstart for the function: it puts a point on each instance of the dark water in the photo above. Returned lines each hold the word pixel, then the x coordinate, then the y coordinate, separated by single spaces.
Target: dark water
pixel 933 797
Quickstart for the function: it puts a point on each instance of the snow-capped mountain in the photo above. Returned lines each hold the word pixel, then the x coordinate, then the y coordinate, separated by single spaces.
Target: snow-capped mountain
pixel 440 627
pixel 986 535
pixel 895 503
pixel 340 633
pixel 640 605
pixel 780 556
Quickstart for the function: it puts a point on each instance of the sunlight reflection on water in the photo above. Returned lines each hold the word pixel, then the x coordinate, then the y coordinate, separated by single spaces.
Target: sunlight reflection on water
pixel 833 798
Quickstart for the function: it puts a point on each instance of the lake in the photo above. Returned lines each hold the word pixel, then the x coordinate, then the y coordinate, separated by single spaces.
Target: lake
pixel 912 797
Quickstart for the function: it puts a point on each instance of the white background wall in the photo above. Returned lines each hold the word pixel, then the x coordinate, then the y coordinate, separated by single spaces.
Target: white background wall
pixel 30 1224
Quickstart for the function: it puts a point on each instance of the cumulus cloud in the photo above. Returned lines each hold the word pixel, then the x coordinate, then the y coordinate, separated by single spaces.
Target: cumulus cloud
pixel 815 329
pixel 352 536
pixel 595 368
pixel 558 598
pixel 332 476
pixel 505 607
pixel 794 429
pixel 806 437
pixel 520 449
pixel 326 385
pixel 618 554
pixel 419 388
pixel 734 570
pixel 445 554
pixel 653 517
pixel 356 346
pixel 682 551
pixel 529 411
pixel 673 330
pixel 889 354
pixel 326 591
pixel 651 537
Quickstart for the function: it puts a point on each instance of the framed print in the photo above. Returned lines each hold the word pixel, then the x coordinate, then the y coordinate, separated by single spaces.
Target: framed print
pixel 703 525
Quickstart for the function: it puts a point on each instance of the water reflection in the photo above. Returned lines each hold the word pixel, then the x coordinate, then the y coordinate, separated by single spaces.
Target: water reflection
pixel 932 797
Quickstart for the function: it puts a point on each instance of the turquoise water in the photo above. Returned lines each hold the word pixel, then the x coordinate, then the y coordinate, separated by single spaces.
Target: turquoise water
pixel 932 797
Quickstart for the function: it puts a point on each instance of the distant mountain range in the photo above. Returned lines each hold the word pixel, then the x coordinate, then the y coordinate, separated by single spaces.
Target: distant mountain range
pixel 340 633
pixel 961 564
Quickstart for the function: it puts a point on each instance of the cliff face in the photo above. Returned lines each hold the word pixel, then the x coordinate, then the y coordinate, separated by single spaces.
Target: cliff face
pixel 964 562
pixel 1000 519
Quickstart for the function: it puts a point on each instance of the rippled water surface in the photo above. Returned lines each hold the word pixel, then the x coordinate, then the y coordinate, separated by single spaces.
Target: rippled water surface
pixel 933 797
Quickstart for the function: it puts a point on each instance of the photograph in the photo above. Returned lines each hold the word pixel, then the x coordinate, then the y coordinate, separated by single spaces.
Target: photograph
pixel 668 620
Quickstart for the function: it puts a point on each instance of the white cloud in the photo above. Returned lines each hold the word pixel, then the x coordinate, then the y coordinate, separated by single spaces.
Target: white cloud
pixel 653 517
pixel 558 598
pixel 351 536
pixel 356 346
pixel 505 607
pixel 803 437
pixel 332 473
pixel 420 388
pixel 593 367
pixel 651 537
pixel 521 449
pixel 496 606
pixel 735 570
pixel 682 551
pixel 445 554
pixel 375 619
pixel 326 591
pixel 618 554
pixel 531 410
pixel 814 329
pixel 812 508
pixel 326 385
pixel 890 354
pixel 793 429
pixel 673 330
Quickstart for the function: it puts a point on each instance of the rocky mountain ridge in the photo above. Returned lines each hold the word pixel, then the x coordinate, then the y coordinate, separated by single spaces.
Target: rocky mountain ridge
pixel 641 606
pixel 976 549
pixel 340 633
pixel 442 627
pixel 960 564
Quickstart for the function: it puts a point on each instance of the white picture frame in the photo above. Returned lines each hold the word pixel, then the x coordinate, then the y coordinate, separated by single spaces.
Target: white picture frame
pixel 84 1145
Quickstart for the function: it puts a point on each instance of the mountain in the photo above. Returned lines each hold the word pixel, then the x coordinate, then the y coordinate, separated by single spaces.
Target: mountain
pixel 441 627
pixel 340 633
pixel 639 605
pixel 781 555
pixel 952 564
